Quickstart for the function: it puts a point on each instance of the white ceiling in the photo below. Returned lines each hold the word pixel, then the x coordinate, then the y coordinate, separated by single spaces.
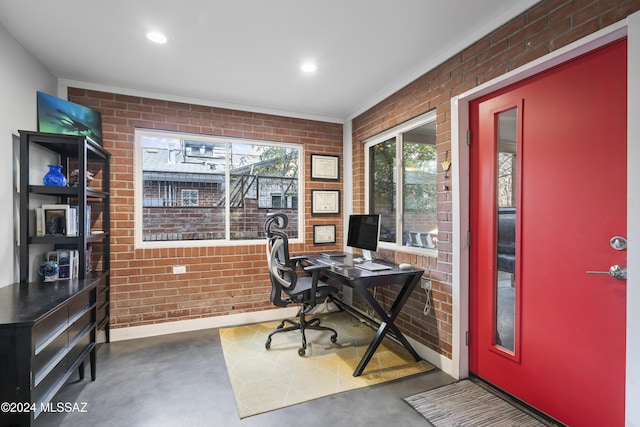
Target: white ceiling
pixel 246 54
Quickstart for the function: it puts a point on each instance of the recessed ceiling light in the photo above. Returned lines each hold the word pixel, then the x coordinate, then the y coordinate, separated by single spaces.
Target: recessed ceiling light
pixel 157 37
pixel 309 67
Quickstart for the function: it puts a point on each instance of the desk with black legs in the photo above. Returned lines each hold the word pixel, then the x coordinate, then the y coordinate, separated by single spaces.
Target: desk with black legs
pixel 344 270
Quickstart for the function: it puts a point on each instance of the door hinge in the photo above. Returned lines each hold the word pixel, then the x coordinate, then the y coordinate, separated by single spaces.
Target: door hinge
pixel 467 339
pixel 468 136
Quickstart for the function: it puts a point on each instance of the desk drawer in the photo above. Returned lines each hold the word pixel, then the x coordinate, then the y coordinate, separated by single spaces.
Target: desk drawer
pixel 80 303
pixel 44 361
pixel 83 343
pixel 45 388
pixel 47 328
pixel 79 327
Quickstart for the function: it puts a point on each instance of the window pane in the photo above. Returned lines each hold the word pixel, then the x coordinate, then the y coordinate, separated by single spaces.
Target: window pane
pixel 183 182
pixel 382 187
pixel 262 178
pixel 419 217
pixel 185 195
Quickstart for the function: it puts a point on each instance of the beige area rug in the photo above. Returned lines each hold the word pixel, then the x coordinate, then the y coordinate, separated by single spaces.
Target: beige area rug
pixel 264 380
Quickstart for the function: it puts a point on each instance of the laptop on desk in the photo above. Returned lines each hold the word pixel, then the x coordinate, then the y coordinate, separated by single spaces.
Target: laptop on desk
pixel 372 266
pixel 333 254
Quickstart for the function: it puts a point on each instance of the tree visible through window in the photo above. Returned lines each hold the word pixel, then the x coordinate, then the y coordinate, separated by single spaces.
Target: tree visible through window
pixel 402 185
pixel 205 188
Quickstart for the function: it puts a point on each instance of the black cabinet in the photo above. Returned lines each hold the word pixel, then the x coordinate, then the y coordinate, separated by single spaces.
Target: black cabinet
pixel 47 331
pixel 91 199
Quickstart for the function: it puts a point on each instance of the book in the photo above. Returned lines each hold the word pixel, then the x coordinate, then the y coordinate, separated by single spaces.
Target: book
pixel 39 222
pixel 73 224
pixel 88 260
pixel 67 264
pixel 74 264
pixel 51 256
pixel 75 213
pixel 88 220
pixel 64 264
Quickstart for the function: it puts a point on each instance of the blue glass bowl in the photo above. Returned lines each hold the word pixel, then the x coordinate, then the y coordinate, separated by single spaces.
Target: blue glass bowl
pixel 48 268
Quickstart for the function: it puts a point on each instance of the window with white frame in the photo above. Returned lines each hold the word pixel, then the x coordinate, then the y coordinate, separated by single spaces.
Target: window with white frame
pixel 401 183
pixel 202 188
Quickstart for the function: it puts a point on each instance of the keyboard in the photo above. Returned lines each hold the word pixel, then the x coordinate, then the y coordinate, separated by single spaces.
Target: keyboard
pixel 373 266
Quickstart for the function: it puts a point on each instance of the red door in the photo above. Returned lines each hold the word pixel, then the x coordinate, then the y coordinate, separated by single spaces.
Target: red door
pixel 548 194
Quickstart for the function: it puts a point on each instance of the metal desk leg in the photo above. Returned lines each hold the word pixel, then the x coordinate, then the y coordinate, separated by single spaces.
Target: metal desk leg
pixel 387 323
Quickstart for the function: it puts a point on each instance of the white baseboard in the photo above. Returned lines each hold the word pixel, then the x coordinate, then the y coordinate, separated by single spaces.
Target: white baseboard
pixel 121 334
pixel 436 359
pixel 133 332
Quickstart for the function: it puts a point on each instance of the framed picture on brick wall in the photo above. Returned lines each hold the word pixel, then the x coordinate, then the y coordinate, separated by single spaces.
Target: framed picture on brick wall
pixel 324 234
pixel 325 167
pixel 325 202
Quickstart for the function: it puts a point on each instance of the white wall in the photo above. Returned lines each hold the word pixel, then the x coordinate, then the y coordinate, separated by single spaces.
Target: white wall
pixel 21 75
pixel 633 213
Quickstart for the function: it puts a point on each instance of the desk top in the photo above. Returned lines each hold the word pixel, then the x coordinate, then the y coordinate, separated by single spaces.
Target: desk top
pixel 347 267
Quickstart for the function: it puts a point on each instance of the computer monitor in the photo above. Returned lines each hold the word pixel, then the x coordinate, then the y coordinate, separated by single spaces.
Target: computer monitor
pixel 364 233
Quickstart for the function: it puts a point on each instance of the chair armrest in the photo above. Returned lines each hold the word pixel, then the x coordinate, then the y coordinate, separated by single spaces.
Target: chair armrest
pixel 314 267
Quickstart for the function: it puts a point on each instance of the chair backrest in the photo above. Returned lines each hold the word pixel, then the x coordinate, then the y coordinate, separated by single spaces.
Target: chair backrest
pixel 281 271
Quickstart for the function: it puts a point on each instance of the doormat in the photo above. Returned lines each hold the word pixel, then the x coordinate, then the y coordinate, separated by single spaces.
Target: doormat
pixel 467 404
pixel 265 380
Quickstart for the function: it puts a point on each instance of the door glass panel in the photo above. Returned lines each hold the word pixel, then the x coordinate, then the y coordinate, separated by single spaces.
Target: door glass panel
pixel 506 210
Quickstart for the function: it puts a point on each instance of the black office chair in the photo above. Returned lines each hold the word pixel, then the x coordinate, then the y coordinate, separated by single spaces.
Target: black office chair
pixel 299 289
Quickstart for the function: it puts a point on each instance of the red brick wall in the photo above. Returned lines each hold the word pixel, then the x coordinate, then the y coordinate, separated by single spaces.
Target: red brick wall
pixel 546 27
pixel 219 280
pixel 223 280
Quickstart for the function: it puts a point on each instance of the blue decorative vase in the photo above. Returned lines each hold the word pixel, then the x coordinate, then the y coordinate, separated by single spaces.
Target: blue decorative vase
pixel 55 177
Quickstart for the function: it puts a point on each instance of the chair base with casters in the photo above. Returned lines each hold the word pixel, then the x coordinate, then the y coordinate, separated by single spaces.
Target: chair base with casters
pixel 302 325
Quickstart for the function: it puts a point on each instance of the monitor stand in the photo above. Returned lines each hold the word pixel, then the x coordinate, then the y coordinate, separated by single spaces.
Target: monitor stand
pixel 366 255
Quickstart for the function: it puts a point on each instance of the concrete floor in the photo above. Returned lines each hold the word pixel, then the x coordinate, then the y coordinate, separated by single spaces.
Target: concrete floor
pixel 181 380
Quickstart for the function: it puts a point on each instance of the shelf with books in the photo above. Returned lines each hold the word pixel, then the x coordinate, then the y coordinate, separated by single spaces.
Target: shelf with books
pixel 72 218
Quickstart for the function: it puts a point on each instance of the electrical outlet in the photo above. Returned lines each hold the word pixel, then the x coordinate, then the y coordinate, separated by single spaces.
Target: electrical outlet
pixel 179 269
pixel 426 284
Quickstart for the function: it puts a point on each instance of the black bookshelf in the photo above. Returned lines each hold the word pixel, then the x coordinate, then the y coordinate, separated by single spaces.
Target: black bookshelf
pixel 84 154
